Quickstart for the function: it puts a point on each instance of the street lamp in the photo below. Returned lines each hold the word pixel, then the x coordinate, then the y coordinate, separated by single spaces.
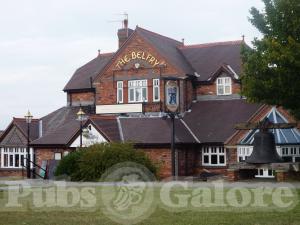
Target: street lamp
pixel 28 118
pixel 81 116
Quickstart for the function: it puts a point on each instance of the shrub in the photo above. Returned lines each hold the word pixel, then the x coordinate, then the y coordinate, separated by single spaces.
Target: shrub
pixel 69 165
pixel 90 163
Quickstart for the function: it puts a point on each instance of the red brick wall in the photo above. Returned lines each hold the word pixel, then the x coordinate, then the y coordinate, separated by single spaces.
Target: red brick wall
pixel 211 89
pixel 161 157
pixel 81 97
pixel 47 154
pixel 11 173
pixel 106 88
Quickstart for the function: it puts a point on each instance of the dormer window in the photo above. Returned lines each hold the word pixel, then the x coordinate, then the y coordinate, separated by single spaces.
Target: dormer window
pixel 224 86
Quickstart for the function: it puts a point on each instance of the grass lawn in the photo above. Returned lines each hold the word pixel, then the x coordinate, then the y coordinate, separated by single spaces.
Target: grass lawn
pixel 160 216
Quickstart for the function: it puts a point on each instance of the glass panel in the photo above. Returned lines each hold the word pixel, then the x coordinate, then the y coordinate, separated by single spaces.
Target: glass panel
pixel 57 156
pixel 17 160
pixel 131 95
pixel 220 90
pixel 138 95
pixel 120 95
pixel 270 172
pixel 11 160
pixel 144 94
pixel 206 159
pixel 22 160
pixel 6 160
pixel 156 93
pixel 214 159
pixel 221 159
pixel 261 172
pixel 227 89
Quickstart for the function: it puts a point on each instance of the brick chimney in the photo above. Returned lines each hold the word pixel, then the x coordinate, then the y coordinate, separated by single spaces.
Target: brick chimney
pixel 124 33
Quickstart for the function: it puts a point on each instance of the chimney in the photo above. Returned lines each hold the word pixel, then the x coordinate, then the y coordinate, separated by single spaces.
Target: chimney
pixel 124 33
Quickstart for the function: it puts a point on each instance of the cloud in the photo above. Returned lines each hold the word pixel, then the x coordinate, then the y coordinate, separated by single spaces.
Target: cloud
pixel 43 42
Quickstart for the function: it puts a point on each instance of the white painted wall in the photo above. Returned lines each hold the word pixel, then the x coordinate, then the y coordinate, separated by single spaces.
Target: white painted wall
pixel 89 137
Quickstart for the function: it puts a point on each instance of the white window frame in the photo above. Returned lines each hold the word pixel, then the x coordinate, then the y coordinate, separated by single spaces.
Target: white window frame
pixel 264 173
pixel 57 155
pixel 11 153
pixel 290 151
pixel 135 85
pixel 223 82
pixel 243 152
pixel 120 89
pixel 156 85
pixel 213 150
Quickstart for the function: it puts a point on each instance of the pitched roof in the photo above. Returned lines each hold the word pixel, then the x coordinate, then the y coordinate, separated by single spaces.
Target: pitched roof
pixel 59 126
pixel 168 48
pixel 282 136
pixel 214 121
pixel 21 124
pixel 81 77
pixel 61 136
pixel 154 131
pixel 108 127
pixel 207 58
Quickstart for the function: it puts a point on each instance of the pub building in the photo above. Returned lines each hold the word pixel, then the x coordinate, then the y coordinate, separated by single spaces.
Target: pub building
pixel 126 95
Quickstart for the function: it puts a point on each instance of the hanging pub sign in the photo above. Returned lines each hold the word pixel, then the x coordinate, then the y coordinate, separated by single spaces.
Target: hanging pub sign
pixel 172 95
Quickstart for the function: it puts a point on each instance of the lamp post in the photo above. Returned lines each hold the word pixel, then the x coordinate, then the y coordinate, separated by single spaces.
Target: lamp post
pixel 81 117
pixel 28 118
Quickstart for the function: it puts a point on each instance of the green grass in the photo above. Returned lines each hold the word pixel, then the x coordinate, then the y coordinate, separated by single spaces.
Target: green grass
pixel 57 216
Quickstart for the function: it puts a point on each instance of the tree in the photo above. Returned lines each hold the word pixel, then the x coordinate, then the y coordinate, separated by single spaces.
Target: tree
pixel 272 67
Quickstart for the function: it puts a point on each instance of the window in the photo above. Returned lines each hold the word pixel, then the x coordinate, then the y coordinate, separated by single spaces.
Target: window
pixel 137 91
pixel 14 157
pixel 156 90
pixel 244 152
pixel 120 92
pixel 214 156
pixel 290 153
pixel 224 86
pixel 57 156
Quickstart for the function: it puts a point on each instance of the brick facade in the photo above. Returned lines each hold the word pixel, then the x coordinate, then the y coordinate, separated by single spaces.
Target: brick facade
pixel 81 98
pixel 211 88
pixel 106 84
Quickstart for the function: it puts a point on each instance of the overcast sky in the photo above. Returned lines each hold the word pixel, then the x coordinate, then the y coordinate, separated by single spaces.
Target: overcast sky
pixel 43 42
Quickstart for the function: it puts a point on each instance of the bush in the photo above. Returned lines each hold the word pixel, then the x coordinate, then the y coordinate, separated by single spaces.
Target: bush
pixel 69 165
pixel 90 163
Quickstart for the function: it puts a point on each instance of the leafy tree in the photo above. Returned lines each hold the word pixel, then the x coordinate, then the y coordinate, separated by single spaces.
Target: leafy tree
pixel 272 66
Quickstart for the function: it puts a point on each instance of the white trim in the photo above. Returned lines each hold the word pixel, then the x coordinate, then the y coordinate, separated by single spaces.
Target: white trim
pixel 120 87
pixel 234 73
pixel 191 132
pixel 120 129
pixel 12 152
pixel 213 150
pixel 153 89
pixel 224 85
pixel 134 85
pixel 90 136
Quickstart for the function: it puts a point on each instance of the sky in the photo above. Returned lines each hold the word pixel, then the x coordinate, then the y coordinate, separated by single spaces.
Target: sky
pixel 42 43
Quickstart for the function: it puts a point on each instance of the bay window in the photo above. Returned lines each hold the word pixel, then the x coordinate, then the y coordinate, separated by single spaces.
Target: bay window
pixel 156 90
pixel 137 91
pixel 224 86
pixel 213 156
pixel 14 157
